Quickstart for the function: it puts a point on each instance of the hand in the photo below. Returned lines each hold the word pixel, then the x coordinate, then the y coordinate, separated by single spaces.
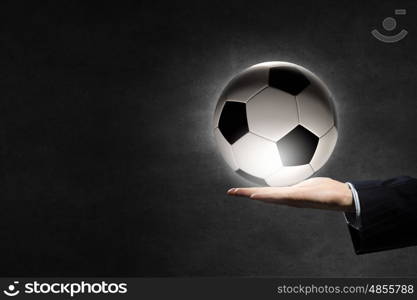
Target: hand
pixel 319 192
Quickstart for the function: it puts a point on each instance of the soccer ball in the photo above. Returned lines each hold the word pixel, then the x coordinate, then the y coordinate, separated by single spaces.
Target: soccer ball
pixel 275 124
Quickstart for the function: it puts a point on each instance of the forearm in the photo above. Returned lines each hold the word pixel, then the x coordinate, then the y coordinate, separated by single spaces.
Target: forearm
pixel 388 215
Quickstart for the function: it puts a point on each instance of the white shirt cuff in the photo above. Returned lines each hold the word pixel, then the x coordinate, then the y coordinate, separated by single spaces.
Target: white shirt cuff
pixel 353 218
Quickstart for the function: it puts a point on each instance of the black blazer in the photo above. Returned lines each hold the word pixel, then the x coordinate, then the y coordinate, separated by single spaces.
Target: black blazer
pixel 388 214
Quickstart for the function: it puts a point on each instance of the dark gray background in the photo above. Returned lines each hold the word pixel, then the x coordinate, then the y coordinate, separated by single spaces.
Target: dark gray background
pixel 108 163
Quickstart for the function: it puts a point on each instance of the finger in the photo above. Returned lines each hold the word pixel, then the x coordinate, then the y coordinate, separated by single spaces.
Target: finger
pixel 277 196
pixel 291 200
pixel 281 199
pixel 246 192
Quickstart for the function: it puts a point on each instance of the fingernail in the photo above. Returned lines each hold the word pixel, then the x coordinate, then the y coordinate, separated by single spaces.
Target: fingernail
pixel 231 190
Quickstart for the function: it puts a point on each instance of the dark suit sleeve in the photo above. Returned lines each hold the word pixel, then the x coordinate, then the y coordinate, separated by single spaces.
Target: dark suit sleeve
pixel 388 214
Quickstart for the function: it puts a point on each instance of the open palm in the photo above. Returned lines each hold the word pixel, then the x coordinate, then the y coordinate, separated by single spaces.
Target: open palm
pixel 318 192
